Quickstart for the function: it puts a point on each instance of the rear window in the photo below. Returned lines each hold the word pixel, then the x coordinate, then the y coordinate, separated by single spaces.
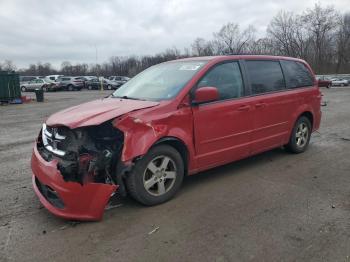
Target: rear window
pixel 27 78
pixel 297 75
pixel 265 76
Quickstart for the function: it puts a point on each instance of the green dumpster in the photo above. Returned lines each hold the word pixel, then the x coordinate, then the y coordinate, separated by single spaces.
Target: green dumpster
pixel 9 86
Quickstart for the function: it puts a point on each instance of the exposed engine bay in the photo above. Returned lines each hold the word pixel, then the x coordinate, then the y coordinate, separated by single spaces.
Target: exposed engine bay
pixel 87 154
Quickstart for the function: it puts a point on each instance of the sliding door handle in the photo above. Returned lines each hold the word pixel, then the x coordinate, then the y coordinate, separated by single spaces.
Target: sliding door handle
pixel 260 105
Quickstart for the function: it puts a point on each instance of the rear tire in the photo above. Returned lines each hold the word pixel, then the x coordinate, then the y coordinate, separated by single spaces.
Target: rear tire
pixel 70 88
pixel 300 137
pixel 90 88
pixel 109 87
pixel 157 176
pixel 24 89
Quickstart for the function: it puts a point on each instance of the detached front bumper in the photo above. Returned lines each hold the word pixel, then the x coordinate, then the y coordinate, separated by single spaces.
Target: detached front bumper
pixel 69 200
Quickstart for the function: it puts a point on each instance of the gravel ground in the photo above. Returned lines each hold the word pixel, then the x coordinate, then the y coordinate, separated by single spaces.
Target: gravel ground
pixel 271 207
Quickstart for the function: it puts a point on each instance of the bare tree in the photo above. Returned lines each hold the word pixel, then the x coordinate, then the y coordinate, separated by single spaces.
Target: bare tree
pixel 202 47
pixel 263 46
pixel 343 45
pixel 230 39
pixel 8 65
pixel 321 24
pixel 66 68
pixel 288 35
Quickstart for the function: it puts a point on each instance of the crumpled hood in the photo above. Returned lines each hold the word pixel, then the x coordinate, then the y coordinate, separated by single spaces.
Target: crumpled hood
pixel 96 112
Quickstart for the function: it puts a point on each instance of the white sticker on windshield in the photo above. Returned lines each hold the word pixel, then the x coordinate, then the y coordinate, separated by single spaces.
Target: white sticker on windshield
pixel 193 67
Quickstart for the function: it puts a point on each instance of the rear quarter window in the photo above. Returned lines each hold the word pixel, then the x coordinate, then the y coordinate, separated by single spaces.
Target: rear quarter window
pixel 297 74
pixel 265 76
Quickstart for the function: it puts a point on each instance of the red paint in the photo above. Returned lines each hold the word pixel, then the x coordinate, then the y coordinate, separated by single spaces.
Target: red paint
pixel 213 133
pixel 96 112
pixel 85 202
pixel 206 94
pixel 324 83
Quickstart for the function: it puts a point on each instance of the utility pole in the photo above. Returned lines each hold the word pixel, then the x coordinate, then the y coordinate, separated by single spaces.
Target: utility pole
pixel 97 71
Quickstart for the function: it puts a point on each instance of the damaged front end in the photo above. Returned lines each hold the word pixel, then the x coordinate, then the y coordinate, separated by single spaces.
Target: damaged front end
pixel 77 170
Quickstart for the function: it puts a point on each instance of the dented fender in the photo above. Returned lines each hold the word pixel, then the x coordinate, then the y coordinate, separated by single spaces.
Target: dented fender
pixel 141 134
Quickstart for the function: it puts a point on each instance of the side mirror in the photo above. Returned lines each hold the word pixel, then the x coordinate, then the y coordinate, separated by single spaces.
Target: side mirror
pixel 205 94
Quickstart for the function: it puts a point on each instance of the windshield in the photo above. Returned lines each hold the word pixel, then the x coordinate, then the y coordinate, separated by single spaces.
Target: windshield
pixel 160 82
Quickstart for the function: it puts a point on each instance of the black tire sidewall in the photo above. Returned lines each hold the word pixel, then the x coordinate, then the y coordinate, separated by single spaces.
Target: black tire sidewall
pixel 135 178
pixel 292 146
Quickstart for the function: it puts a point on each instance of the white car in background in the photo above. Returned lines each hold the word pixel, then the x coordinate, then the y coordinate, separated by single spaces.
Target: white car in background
pixel 339 82
pixel 53 77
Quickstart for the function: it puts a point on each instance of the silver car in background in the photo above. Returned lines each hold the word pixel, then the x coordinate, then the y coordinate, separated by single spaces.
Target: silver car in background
pixel 41 83
pixel 119 80
pixel 339 82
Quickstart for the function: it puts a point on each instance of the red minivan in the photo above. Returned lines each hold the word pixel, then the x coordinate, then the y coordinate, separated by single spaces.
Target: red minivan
pixel 174 119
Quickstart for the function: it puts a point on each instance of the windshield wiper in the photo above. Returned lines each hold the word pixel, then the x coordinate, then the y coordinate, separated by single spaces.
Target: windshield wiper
pixel 128 97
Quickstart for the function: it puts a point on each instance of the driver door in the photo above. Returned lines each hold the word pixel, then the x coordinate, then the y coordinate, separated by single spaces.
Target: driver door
pixel 223 128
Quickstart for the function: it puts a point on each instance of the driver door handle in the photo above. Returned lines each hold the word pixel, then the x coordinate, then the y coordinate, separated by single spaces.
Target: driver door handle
pixel 243 108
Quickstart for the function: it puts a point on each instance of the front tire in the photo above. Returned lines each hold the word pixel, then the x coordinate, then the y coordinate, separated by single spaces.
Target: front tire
pixel 300 136
pixel 70 88
pixel 157 176
pixel 24 89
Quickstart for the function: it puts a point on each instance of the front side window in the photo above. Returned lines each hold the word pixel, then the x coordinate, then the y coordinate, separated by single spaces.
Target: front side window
pixel 265 76
pixel 160 82
pixel 297 75
pixel 226 78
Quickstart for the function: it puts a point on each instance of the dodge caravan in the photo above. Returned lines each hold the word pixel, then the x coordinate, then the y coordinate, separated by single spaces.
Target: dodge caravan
pixel 174 119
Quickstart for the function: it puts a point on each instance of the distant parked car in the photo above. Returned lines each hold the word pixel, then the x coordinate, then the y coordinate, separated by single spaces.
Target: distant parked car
pixel 324 82
pixel 86 79
pixel 95 83
pixel 53 77
pixel 44 84
pixel 120 80
pixel 70 83
pixel 25 79
pixel 340 82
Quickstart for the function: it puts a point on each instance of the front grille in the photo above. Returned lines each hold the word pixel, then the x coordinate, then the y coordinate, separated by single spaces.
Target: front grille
pixel 49 194
pixel 54 139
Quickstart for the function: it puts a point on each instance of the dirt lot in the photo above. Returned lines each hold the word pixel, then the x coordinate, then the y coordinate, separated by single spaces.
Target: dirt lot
pixel 271 207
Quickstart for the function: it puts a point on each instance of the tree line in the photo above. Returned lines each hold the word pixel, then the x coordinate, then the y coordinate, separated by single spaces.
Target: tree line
pixel 320 35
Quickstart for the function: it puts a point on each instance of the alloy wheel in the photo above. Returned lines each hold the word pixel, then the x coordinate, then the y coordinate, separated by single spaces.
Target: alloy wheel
pixel 302 135
pixel 160 175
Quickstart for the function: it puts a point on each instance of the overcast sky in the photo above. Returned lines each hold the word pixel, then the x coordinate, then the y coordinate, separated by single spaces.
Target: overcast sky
pixel 55 31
